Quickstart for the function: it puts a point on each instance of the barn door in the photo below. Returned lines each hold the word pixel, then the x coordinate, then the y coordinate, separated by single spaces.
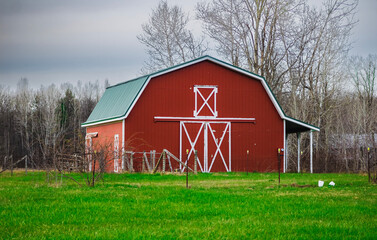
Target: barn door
pixel 218 145
pixel 192 138
pixel 211 139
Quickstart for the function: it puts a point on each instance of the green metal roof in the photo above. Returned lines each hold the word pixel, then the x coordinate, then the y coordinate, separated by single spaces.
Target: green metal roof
pixel 116 100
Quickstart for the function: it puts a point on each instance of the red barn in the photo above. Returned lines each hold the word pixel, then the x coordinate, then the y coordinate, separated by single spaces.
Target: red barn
pixel 207 105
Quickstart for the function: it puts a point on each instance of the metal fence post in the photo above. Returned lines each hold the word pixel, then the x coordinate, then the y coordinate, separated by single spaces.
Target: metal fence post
pixel 368 162
pixel 196 162
pixel 279 163
pixel 187 168
pixel 247 162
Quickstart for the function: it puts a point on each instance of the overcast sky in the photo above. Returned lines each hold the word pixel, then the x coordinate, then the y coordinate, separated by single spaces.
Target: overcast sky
pixel 65 41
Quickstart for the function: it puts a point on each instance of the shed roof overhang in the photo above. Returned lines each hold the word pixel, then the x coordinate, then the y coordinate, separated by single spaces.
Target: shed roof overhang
pixel 296 126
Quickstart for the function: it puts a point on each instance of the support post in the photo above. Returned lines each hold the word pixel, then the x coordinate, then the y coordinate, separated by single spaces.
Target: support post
pixel 286 154
pixel 298 152
pixel 285 146
pixel 311 151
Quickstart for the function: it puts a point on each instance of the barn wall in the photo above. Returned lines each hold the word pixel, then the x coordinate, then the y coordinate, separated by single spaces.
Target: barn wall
pixel 105 139
pixel 238 96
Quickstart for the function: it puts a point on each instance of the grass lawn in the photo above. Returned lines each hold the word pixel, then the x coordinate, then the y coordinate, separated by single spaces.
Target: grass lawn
pixel 217 206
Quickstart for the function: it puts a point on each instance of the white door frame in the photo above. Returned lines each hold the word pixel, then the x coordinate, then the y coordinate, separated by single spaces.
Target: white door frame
pixel 205 126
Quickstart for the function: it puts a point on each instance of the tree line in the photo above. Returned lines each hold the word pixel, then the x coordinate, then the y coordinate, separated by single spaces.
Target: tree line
pixel 42 123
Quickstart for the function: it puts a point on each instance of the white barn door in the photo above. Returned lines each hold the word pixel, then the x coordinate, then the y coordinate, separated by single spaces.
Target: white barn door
pixel 212 140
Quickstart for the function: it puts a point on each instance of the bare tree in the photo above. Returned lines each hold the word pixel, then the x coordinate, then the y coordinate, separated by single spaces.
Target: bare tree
pixel 167 38
pixel 23 103
pixel 250 33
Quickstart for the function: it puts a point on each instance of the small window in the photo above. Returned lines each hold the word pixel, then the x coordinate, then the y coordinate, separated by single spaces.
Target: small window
pixel 205 101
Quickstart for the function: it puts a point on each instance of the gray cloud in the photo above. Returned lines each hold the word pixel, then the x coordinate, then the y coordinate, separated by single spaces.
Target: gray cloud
pixel 52 41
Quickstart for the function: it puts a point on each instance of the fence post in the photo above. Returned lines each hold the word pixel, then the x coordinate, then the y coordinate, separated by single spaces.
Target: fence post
pixel 187 168
pixel 152 159
pixel 368 164
pixel 247 162
pixel 131 162
pixel 26 165
pixel 5 162
pixel 279 163
pixel 163 161
pixel 143 163
pixel 196 162
pixel 11 165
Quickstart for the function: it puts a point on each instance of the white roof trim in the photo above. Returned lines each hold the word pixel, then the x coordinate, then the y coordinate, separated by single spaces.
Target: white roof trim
pixel 102 122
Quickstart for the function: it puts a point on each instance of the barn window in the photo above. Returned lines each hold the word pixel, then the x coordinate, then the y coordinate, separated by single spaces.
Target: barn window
pixel 205 101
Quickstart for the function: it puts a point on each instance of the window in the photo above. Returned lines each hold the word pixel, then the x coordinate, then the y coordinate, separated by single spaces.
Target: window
pixel 205 101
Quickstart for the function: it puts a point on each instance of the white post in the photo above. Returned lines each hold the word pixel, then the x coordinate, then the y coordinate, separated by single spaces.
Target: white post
pixel 285 147
pixel 230 150
pixel 298 152
pixel 205 148
pixel 123 151
pixel 180 144
pixel 311 151
pixel 286 153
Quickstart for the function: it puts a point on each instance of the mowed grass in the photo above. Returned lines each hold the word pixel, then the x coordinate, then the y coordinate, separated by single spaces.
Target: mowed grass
pixel 217 206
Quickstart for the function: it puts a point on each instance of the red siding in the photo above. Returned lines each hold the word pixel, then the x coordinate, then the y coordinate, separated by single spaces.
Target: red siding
pixel 239 96
pixel 105 139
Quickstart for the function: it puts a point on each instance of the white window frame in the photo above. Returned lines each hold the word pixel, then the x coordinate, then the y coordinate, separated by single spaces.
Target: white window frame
pixel 198 95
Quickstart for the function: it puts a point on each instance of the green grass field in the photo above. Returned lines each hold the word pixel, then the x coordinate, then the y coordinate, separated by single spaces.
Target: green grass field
pixel 217 206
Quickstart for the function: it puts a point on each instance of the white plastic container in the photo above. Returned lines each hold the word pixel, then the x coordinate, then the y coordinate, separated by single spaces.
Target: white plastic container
pixel 320 183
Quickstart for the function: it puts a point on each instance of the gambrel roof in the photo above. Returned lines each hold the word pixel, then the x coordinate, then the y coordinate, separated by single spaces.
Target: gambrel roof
pixel 118 100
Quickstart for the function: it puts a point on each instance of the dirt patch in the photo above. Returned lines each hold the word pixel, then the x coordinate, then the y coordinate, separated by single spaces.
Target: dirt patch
pixel 302 186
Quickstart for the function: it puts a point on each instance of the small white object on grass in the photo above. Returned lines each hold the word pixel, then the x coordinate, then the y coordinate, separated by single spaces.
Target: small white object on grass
pixel 320 183
pixel 332 184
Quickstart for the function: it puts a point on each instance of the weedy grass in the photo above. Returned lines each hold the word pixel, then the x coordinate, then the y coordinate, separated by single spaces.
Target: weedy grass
pixel 217 206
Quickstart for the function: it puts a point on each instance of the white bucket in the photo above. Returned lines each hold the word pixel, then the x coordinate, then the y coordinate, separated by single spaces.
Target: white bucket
pixel 320 183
